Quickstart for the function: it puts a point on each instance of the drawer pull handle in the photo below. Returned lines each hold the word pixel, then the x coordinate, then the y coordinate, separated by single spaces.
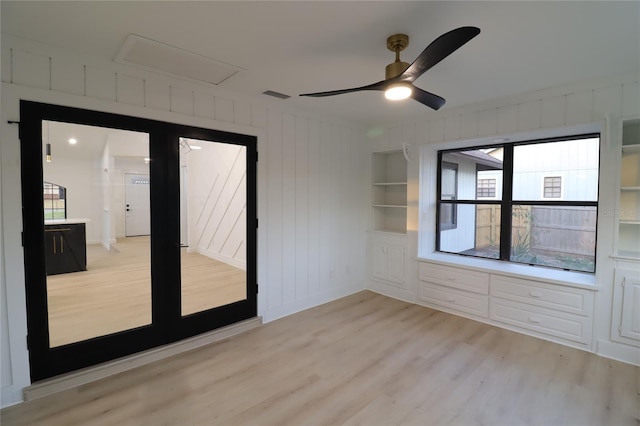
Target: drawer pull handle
pixel 451 300
pixel 534 294
pixel 534 320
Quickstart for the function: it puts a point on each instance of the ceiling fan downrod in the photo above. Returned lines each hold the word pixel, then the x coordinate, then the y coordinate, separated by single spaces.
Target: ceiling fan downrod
pixel 396 43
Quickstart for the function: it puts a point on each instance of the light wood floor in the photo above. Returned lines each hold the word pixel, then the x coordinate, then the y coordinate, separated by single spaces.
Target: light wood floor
pixel 114 294
pixel 361 360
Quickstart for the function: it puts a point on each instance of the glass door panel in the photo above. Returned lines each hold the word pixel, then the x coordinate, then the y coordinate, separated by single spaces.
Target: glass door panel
pixel 213 224
pixel 98 278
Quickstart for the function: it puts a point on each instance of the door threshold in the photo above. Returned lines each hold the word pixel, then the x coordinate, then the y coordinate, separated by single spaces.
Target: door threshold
pixel 101 371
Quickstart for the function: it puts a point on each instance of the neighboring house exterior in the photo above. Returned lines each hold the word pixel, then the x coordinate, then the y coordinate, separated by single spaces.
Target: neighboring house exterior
pixel 556 171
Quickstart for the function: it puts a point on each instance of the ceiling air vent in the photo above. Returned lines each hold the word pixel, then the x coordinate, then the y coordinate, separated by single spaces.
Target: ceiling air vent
pixel 156 56
pixel 276 94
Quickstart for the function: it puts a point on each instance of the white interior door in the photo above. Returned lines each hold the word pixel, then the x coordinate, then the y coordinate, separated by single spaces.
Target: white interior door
pixel 137 206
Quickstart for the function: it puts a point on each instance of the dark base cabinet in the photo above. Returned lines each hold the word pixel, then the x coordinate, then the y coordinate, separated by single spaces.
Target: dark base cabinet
pixel 66 248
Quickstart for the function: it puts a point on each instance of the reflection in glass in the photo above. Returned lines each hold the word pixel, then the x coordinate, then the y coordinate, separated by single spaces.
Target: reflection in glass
pixel 213 224
pixel 98 278
pixel 477 232
pixel 556 171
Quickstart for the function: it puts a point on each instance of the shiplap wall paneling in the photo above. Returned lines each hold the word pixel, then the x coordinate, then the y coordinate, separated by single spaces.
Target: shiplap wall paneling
pixel 329 181
pixel 157 95
pixel 488 122
pixel 313 214
pixel 259 117
pixel 288 170
pixel 67 75
pixel 301 184
pixel 436 130
pixel 631 99
pixel 452 127
pixel 469 125
pixel 130 90
pixel 274 216
pixel 508 119
pixel 553 111
pixel 607 101
pixel 529 115
pixel 224 109
pixel 242 113
pixel 100 83
pixel 34 69
pixel 6 69
pixel 579 107
pixel 181 100
pixel 203 105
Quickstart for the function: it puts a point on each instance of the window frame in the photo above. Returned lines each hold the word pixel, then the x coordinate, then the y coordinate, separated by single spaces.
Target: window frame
pixel 507 202
pixel 453 224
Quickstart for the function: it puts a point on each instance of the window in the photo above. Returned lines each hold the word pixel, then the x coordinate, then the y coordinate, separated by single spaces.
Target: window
pixel 486 188
pixel 552 187
pixel 54 201
pixel 499 211
pixel 449 191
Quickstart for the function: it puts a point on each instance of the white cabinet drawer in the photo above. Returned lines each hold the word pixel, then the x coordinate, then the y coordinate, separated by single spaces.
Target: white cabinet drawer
pixel 572 327
pixel 566 299
pixel 463 279
pixel 465 302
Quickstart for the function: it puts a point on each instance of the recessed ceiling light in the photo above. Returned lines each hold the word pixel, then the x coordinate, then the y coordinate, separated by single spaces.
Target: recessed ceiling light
pixel 195 147
pixel 73 141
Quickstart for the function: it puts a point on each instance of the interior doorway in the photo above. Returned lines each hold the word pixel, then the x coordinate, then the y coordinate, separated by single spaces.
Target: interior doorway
pixel 137 207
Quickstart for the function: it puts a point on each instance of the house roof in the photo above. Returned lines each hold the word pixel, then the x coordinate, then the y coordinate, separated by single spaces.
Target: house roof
pixel 482 159
pixel 299 47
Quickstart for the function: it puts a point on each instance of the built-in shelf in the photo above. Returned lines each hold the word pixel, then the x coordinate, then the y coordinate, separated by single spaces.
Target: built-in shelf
pixel 389 192
pixel 628 238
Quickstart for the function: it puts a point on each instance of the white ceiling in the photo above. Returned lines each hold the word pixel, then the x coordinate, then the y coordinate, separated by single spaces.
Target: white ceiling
pixel 301 47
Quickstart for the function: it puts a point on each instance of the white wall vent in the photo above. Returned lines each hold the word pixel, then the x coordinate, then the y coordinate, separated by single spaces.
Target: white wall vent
pixel 156 56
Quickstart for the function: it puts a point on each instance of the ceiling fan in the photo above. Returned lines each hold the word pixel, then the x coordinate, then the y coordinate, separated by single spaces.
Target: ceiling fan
pixel 401 75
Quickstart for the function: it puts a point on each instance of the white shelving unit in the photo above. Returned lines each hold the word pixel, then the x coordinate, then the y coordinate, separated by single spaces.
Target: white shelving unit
pixel 629 208
pixel 389 192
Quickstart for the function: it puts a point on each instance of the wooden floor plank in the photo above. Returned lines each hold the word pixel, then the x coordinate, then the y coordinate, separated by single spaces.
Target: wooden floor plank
pixel 362 360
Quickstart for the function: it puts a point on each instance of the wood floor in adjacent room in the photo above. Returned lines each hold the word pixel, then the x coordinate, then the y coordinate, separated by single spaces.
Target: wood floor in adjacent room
pixel 361 360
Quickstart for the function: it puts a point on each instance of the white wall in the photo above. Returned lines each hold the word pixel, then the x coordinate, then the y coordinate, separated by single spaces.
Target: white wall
pixel 554 111
pixel 311 239
pixel 217 201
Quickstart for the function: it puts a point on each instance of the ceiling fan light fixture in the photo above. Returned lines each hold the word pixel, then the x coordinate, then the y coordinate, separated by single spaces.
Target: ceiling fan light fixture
pixel 398 91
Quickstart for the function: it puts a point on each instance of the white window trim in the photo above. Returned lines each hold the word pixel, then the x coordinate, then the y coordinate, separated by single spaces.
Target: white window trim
pixel 427 198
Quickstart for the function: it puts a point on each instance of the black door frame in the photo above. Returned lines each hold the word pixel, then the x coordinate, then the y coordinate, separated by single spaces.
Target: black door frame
pixel 167 323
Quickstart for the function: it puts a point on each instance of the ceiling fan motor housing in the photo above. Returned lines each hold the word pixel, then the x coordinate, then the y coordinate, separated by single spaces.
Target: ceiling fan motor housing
pixel 394 69
pixel 396 43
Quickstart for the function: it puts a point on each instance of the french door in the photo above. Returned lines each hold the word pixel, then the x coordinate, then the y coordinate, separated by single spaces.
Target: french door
pixel 188 268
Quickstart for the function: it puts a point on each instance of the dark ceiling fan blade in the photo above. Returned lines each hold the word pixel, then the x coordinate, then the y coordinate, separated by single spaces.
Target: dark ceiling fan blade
pixel 380 85
pixel 439 49
pixel 426 98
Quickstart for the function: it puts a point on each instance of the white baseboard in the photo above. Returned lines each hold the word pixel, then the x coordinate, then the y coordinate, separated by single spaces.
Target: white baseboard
pixel 309 302
pixel 91 374
pixel 618 351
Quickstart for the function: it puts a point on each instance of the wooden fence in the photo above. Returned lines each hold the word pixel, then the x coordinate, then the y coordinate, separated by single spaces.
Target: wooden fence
pixel 552 230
